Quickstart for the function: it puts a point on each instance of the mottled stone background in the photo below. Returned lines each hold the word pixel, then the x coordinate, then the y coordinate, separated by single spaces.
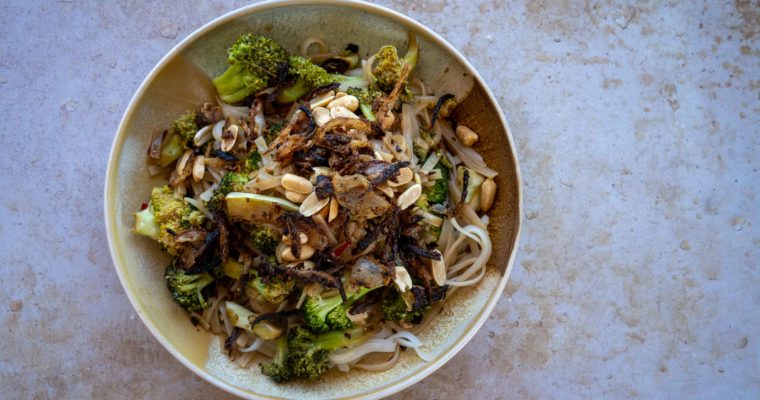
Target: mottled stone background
pixel 637 126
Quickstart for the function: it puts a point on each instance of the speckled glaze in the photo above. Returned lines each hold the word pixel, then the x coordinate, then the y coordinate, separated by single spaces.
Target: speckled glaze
pixel 180 81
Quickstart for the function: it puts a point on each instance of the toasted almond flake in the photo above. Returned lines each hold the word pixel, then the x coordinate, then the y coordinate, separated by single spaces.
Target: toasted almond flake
pixel 229 137
pixel 295 197
pixel 312 205
pixel 342 112
pixel 302 238
pixel 403 281
pixel 409 196
pixel 202 136
pixel 404 176
pixel 182 163
pixel 387 190
pixel 322 100
pixel 333 209
pixel 199 168
pixel 306 253
pixel 297 184
pixel 438 270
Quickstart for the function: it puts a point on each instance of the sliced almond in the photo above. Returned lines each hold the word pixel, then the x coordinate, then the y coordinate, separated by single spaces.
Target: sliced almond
pixel 313 205
pixel 295 197
pixel 405 175
pixel 322 100
pixel 229 137
pixel 333 209
pixel 199 168
pixel 438 270
pixel 297 184
pixel 409 196
pixel 302 237
pixel 383 187
pixel 182 163
pixel 403 281
pixel 306 253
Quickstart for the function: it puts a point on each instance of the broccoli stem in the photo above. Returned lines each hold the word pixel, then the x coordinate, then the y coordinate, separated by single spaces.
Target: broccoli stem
pixel 231 84
pixel 295 92
pixel 367 112
pixel 171 150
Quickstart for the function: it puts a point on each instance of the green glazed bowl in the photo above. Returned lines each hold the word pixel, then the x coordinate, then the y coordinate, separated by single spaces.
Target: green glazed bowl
pixel 181 81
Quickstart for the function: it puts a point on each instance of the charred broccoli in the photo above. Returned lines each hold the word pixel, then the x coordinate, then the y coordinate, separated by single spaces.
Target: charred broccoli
pixel 273 290
pixel 265 239
pixel 366 97
pixel 186 288
pixel 389 66
pixel 165 217
pixel 439 192
pixel 311 76
pixel 329 313
pixel 308 352
pixel 252 162
pixel 397 308
pixel 182 131
pixel 278 369
pixel 230 182
pixel 254 60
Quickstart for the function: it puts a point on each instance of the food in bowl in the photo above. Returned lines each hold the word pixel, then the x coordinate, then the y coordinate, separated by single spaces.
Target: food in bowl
pixel 321 212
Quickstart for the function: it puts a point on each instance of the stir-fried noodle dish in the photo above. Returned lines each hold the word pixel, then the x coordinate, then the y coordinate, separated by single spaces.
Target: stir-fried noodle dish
pixel 319 213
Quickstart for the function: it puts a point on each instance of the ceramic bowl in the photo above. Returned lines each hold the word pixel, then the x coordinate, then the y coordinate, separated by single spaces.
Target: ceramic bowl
pixel 180 81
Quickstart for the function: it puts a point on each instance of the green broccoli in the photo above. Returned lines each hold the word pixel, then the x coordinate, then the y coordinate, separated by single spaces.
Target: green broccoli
pixel 181 133
pixel 308 352
pixel 324 314
pixel 310 76
pixel 254 60
pixel 278 369
pixel 252 161
pixel 243 318
pixel 230 182
pixel 366 97
pixel 273 290
pixel 439 192
pixel 265 239
pixel 165 217
pixel 398 308
pixel 389 66
pixel 186 288
pixel 273 131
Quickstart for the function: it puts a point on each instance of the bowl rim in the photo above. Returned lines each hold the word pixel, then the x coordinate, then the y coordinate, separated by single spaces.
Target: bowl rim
pixel 117 145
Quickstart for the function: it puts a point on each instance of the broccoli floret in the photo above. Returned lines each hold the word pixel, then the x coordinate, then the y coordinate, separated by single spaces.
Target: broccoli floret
pixel 230 182
pixel 396 308
pixel 181 133
pixel 389 66
pixel 252 162
pixel 273 290
pixel 366 97
pixel 265 239
pixel 254 60
pixel 278 369
pixel 439 192
pixel 273 131
pixel 329 313
pixel 166 216
pixel 308 352
pixel 186 288
pixel 310 76
pixel 243 318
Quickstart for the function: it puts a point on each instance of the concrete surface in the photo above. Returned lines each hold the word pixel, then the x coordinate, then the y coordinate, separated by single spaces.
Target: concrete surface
pixel 637 125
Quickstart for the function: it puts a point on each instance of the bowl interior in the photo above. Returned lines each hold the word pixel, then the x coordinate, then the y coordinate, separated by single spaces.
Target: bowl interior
pixel 181 82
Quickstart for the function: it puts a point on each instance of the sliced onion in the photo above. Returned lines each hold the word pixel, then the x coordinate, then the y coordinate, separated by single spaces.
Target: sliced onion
pixel 197 204
pixel 253 346
pixel 431 162
pixel 469 157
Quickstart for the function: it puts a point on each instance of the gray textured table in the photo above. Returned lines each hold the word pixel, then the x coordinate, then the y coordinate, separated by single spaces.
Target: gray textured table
pixel 638 132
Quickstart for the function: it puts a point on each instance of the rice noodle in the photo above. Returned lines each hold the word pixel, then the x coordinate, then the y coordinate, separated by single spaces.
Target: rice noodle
pixel 382 366
pixel 410 129
pixel 257 343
